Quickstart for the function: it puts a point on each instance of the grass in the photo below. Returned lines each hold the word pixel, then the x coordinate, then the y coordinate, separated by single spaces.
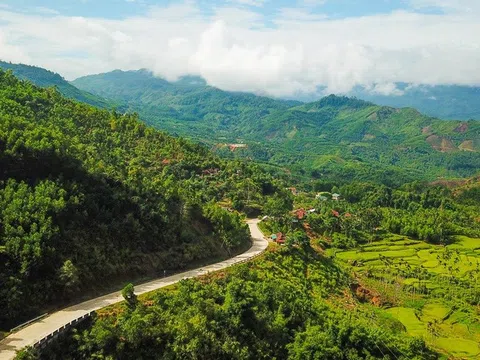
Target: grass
pixel 455 332
pixel 460 348
pixel 409 319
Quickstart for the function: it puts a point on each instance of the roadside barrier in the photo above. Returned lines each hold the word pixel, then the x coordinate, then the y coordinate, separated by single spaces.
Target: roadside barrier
pixel 47 339
pixel 21 326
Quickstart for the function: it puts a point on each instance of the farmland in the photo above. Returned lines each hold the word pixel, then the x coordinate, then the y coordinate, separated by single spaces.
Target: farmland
pixel 428 288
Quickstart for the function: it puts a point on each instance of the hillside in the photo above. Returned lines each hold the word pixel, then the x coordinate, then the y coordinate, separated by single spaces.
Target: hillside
pixel 442 101
pixel 44 78
pixel 289 304
pixel 89 198
pixel 187 107
pixel 335 137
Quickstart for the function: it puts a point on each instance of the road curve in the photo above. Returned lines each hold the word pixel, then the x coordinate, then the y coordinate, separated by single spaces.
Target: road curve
pixel 39 330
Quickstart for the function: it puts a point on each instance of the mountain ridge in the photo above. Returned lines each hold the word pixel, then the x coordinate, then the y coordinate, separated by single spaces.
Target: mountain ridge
pixel 46 78
pixel 335 136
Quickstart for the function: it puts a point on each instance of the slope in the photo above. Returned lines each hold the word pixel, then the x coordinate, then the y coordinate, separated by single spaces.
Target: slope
pixel 443 101
pixel 90 197
pixel 44 78
pixel 335 137
pixel 186 107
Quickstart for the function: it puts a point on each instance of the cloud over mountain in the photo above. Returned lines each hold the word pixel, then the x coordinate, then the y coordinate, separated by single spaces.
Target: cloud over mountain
pixel 235 46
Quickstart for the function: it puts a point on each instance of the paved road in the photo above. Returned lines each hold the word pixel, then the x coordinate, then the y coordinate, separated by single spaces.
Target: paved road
pixel 38 330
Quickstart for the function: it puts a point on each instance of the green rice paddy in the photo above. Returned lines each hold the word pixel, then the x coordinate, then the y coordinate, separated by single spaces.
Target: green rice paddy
pixel 449 328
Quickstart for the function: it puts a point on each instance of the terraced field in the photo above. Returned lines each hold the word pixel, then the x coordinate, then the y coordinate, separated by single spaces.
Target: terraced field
pixel 401 252
pixel 432 281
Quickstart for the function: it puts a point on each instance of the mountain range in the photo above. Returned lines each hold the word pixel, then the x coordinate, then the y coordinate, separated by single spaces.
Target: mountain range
pixel 335 137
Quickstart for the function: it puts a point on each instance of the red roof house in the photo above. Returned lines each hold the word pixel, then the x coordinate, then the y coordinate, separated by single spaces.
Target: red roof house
pixel 280 238
pixel 300 214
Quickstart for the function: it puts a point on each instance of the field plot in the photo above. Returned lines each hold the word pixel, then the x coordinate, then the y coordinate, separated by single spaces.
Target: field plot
pixel 430 286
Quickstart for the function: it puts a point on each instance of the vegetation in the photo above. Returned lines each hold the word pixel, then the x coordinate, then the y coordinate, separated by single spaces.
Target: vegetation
pixel 442 101
pixel 89 197
pixel 277 307
pixel 45 78
pixel 413 252
pixel 336 138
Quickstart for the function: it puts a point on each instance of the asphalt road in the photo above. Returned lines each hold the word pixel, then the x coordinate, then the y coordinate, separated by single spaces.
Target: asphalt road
pixel 40 329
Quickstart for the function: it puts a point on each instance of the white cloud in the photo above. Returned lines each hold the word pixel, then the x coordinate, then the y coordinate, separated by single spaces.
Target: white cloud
pixel 464 6
pixel 257 3
pixel 234 50
pixel 45 11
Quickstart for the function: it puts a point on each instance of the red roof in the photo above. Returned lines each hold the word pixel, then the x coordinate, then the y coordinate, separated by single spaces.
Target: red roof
pixel 280 238
pixel 335 213
pixel 301 213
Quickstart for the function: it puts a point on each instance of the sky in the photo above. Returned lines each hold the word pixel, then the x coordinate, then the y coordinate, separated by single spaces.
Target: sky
pixel 280 48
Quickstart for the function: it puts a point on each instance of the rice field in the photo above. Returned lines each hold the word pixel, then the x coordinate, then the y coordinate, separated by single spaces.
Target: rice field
pixel 452 329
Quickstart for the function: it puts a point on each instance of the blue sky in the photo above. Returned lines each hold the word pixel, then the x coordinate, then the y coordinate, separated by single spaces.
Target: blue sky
pixel 117 9
pixel 275 47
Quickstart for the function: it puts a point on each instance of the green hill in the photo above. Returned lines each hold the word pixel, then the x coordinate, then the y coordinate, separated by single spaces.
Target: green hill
pixel 187 107
pixel 335 137
pixel 44 78
pixel 89 198
pixel 443 101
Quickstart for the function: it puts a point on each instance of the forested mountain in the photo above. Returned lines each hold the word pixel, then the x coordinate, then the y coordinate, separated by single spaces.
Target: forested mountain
pixel 186 107
pixel 442 101
pixel 45 78
pixel 335 137
pixel 88 196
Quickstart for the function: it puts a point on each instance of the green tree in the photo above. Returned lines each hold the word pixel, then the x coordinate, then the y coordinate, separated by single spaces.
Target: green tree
pixel 128 293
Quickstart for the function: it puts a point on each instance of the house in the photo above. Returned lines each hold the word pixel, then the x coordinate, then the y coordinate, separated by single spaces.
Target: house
pixel 300 214
pixel 311 211
pixel 335 213
pixel 335 197
pixel 321 197
pixel 293 190
pixel 210 172
pixel 234 147
pixel 279 238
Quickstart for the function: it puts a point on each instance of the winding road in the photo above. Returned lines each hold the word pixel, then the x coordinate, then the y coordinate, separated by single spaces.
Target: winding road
pixel 34 332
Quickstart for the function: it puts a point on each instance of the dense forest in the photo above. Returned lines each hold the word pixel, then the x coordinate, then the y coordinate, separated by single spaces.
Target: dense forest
pixel 336 137
pixel 90 196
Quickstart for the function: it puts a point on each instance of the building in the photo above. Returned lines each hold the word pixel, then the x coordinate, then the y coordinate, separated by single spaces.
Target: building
pixel 300 214
pixel 279 238
pixel 335 197
pixel 321 197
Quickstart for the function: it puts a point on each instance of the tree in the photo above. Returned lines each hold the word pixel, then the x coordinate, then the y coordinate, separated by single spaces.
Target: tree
pixel 128 293
pixel 69 275
pixel 298 238
pixel 278 206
